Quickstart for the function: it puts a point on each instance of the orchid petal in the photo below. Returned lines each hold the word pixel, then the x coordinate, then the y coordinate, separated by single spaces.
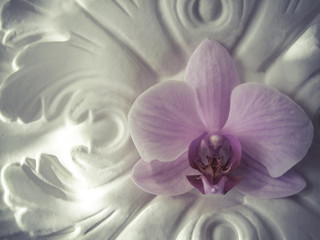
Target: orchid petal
pixel 272 128
pixel 163 178
pixel 164 120
pixel 212 73
pixel 257 182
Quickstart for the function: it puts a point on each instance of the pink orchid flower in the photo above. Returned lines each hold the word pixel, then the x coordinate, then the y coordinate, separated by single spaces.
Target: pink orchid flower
pixel 213 133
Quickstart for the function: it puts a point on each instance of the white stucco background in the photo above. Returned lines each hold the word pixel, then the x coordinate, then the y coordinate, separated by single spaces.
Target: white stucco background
pixel 69 72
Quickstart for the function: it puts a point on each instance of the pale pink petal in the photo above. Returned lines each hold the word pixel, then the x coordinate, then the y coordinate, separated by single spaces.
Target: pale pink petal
pixel 164 120
pixel 212 73
pixel 271 127
pixel 257 182
pixel 163 178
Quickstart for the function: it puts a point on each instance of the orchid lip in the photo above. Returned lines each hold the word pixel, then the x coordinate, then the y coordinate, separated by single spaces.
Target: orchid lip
pixel 214 156
pixel 217 158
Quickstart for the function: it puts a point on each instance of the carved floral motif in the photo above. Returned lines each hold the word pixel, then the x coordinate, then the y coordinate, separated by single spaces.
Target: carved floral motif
pixel 70 71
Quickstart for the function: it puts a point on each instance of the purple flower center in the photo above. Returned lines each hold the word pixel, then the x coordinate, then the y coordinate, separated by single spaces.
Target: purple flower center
pixel 214 156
